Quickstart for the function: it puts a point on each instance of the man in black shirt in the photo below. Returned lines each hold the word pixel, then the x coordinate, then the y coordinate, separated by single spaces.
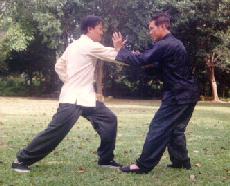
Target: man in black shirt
pixel 180 95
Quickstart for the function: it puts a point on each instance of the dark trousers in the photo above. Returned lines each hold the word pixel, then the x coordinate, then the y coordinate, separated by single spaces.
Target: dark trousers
pixel 102 119
pixel 166 130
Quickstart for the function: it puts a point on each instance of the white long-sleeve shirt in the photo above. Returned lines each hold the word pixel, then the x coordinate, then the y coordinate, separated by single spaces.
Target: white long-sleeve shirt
pixel 76 69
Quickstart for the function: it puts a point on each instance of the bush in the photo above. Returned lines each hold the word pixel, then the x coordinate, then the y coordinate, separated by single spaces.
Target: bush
pixel 17 87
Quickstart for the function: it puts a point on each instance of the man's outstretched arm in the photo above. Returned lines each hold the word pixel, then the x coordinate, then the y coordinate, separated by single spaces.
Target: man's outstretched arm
pixel 147 57
pixel 106 54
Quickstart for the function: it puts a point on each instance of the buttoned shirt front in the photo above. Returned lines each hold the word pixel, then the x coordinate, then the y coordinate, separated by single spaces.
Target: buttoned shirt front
pixel 76 69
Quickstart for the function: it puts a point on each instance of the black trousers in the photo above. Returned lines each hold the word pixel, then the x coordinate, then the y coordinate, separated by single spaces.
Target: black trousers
pixel 166 130
pixel 102 119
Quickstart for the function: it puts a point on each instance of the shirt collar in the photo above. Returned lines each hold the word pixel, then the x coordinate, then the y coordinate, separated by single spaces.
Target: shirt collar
pixel 83 36
pixel 167 35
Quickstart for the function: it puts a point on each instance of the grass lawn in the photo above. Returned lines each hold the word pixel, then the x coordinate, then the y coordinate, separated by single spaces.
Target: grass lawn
pixel 74 162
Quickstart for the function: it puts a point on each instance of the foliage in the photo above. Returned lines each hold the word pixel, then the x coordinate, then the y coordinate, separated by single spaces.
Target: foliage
pixel 17 38
pixel 202 25
pixel 223 49
pixel 18 87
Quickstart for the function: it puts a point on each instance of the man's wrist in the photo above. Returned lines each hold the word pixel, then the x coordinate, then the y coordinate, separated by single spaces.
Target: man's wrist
pixel 118 48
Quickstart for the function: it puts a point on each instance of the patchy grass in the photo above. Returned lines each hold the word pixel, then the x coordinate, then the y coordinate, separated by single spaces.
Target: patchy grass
pixel 74 162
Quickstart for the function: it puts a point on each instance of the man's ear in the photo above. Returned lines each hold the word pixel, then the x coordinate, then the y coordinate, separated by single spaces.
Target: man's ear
pixel 163 26
pixel 89 29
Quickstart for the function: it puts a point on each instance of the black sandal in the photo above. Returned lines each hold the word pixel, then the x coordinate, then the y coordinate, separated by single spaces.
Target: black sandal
pixel 136 171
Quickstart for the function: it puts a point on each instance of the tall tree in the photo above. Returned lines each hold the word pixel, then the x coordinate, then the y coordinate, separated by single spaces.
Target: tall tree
pixel 202 25
pixel 200 31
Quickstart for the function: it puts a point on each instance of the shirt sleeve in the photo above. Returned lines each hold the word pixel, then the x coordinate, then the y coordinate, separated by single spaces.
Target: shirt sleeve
pixel 104 53
pixel 60 67
pixel 151 56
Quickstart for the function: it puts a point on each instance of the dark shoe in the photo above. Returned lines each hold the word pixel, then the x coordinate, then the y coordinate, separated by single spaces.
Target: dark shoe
pixel 182 165
pixel 136 171
pixel 112 164
pixel 20 167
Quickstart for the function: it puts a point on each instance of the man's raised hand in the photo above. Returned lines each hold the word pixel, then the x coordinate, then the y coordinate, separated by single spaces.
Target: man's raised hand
pixel 118 42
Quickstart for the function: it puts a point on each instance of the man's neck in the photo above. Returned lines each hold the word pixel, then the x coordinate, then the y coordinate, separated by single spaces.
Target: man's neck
pixel 165 34
pixel 89 36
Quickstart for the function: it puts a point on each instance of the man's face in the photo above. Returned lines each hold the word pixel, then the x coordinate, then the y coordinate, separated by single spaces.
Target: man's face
pixel 96 33
pixel 156 32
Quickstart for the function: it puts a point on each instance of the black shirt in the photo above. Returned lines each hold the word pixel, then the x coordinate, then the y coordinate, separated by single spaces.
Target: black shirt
pixel 170 60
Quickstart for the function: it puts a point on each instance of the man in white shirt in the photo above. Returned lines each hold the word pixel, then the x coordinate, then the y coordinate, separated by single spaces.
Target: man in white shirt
pixel 77 98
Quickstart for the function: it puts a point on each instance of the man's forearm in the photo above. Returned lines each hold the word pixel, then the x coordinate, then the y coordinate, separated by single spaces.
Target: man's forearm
pixel 128 57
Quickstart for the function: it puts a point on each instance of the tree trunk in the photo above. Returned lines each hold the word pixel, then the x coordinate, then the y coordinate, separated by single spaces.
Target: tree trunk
pixel 99 80
pixel 30 76
pixel 213 84
pixel 211 60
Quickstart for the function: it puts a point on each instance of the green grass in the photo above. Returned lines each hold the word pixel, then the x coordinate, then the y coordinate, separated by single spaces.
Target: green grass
pixel 74 162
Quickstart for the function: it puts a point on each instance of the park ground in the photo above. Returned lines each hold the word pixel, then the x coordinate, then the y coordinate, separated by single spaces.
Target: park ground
pixel 74 161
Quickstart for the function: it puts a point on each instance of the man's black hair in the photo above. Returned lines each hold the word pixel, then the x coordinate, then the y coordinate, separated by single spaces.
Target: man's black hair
pixel 162 18
pixel 90 21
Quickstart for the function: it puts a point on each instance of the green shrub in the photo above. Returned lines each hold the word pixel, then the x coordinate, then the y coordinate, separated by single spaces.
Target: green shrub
pixel 17 87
